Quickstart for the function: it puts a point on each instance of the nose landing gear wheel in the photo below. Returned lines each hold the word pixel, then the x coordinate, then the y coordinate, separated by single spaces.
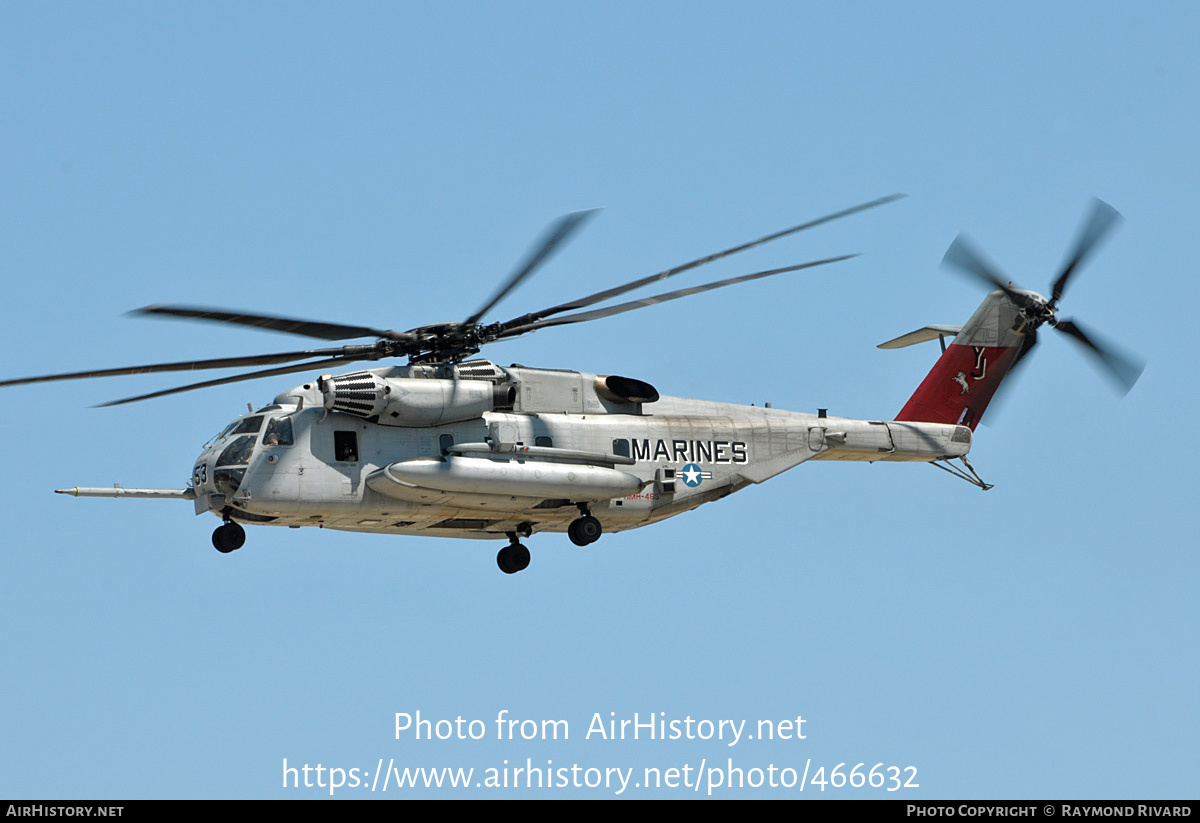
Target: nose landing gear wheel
pixel 228 537
pixel 513 558
pixel 585 530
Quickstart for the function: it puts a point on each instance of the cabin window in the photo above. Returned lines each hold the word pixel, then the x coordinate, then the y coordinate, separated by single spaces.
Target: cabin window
pixel 544 440
pixel 345 447
pixel 279 432
pixel 445 442
pixel 620 447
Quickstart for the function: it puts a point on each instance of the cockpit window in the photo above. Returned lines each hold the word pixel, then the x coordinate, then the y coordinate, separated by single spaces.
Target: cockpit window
pixel 228 481
pixel 220 434
pixel 279 432
pixel 249 426
pixel 238 452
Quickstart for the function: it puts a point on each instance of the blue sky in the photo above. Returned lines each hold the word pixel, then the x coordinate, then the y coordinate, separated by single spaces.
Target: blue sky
pixel 387 164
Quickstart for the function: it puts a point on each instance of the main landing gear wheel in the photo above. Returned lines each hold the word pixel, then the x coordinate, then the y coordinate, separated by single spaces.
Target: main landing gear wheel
pixel 228 537
pixel 513 558
pixel 585 530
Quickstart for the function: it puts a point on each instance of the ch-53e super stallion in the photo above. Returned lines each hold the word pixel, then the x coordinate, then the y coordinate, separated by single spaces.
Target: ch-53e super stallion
pixel 449 446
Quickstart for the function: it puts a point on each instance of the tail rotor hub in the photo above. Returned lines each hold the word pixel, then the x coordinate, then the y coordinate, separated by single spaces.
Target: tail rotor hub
pixel 1037 310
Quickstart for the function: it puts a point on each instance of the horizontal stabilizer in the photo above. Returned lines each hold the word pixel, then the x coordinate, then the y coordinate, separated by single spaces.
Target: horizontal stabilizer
pixel 921 335
pixel 117 491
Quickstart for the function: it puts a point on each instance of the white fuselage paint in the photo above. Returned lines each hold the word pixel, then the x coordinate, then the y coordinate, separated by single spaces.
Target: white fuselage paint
pixel 723 447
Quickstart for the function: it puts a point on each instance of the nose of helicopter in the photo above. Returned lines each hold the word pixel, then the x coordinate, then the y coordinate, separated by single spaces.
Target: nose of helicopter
pixel 232 446
pixel 202 476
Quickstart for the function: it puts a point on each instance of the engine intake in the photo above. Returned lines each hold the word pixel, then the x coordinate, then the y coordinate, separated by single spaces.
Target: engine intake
pixel 411 401
pixel 361 393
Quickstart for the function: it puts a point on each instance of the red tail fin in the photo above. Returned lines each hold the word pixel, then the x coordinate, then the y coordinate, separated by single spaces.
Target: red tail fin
pixel 963 381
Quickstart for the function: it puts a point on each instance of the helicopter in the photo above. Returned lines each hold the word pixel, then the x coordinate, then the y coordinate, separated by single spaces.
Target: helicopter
pixel 450 445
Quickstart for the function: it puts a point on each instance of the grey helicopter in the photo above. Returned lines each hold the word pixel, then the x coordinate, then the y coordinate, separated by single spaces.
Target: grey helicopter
pixel 450 445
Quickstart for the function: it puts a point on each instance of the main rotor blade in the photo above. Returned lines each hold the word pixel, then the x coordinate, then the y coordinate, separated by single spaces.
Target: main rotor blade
pixel 186 365
pixel 1098 224
pixel 616 291
pixel 237 378
pixel 558 232
pixel 289 325
pixel 1124 369
pixel 963 256
pixel 620 308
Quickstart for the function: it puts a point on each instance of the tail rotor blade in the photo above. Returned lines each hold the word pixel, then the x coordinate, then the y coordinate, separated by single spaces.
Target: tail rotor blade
pixel 1098 224
pixel 963 256
pixel 1122 368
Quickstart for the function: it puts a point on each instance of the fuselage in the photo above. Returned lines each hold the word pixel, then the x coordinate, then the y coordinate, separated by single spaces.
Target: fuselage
pixel 535 449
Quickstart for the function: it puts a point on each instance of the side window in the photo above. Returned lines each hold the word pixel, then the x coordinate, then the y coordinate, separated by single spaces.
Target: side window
pixel 345 447
pixel 620 447
pixel 279 432
pixel 445 442
pixel 543 440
